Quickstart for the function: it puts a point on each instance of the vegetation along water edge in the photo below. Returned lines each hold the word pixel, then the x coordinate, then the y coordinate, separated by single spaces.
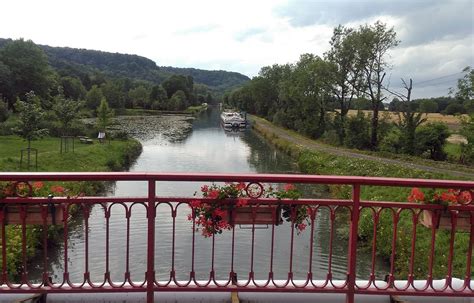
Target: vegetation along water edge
pixel 113 155
pixel 329 163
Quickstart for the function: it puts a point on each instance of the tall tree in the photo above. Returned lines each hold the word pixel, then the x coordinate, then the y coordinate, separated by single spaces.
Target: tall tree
pixel 346 71
pixel 29 68
pixel 66 111
pixel 139 97
pixel 466 85
pixel 408 119
pixel 73 88
pixel 93 97
pixel 6 83
pixel 104 115
pixel 374 42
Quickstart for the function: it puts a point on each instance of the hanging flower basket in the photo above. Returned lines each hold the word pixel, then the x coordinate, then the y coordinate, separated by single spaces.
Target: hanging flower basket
pixel 442 220
pixel 30 214
pixel 232 204
pixel 33 214
pixel 258 215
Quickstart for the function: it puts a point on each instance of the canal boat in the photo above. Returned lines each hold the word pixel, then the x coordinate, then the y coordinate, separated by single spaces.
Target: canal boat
pixel 233 120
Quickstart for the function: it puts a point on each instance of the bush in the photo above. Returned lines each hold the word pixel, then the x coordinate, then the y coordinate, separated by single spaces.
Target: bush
pixel 4 112
pixel 431 139
pixel 6 128
pixel 357 132
pixel 392 142
pixel 454 109
pixel 119 135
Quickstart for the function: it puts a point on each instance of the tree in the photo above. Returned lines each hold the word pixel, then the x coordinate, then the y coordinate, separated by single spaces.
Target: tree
pixel 30 118
pixel 178 82
pixel 66 111
pixel 428 106
pixel 178 100
pixel 104 115
pixel 346 71
pixel 139 97
pixel 73 88
pixel 158 93
pixel 29 68
pixel 4 112
pixel 93 97
pixel 454 108
pixel 466 85
pixel 114 94
pixel 408 120
pixel 6 83
pixel 374 42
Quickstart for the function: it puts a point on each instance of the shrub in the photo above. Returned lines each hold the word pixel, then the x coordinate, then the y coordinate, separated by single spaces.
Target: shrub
pixel 4 112
pixel 357 132
pixel 431 139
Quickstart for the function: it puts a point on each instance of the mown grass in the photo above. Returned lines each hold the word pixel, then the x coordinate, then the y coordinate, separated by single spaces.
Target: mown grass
pixel 323 163
pixel 116 155
pixel 113 155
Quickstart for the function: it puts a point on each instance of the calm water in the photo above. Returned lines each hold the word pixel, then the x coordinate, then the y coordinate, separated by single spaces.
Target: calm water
pixel 208 148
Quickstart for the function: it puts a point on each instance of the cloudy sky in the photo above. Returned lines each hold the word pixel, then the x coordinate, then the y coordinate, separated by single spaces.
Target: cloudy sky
pixel 437 36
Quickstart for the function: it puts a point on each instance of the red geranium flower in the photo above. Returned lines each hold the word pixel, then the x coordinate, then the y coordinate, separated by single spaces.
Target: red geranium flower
pixel 38 185
pixel 57 189
pixel 241 186
pixel 289 187
pixel 195 203
pixel 213 194
pixel 416 195
pixel 241 202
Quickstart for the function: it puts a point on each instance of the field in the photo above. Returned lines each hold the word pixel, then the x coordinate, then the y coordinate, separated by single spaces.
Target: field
pixel 453 122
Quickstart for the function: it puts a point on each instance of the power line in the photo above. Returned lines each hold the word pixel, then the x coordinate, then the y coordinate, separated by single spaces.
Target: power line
pixel 451 81
pixel 447 76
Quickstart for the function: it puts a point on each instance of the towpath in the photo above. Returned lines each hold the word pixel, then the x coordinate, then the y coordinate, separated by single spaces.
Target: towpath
pixel 432 166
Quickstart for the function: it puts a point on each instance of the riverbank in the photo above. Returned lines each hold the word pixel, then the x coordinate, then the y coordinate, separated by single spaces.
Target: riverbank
pixel 192 110
pixel 314 158
pixel 293 142
pixel 109 156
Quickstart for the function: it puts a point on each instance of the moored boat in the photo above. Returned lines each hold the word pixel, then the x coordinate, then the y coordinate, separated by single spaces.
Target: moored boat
pixel 233 120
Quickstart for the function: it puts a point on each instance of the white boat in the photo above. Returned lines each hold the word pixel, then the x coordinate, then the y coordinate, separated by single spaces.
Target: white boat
pixel 233 120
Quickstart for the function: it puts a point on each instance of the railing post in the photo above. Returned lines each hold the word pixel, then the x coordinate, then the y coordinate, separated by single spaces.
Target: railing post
pixel 351 275
pixel 151 214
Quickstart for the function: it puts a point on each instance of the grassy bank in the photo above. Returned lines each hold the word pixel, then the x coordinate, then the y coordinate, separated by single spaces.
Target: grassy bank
pixel 116 155
pixel 323 163
pixel 192 110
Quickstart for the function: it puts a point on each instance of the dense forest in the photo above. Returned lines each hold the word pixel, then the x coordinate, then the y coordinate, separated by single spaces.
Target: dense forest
pixel 90 65
pixel 44 90
pixel 125 81
pixel 314 95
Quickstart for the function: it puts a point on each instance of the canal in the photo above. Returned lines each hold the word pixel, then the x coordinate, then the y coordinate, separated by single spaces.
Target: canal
pixel 206 148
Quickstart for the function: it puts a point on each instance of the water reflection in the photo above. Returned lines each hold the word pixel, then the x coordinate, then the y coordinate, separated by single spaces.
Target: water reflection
pixel 208 148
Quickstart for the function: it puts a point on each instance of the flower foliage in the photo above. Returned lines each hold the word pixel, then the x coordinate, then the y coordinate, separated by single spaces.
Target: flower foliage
pixel 35 189
pixel 448 197
pixel 212 217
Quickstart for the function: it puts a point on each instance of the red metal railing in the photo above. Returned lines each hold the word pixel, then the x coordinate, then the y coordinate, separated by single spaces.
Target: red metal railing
pixel 307 265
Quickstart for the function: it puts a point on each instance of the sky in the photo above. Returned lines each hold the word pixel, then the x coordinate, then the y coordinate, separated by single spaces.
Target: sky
pixel 437 36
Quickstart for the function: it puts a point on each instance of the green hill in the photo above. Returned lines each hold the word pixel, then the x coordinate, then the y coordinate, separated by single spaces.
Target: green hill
pixel 74 61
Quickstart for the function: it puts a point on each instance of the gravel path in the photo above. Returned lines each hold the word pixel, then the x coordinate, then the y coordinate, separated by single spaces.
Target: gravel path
pixel 313 145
